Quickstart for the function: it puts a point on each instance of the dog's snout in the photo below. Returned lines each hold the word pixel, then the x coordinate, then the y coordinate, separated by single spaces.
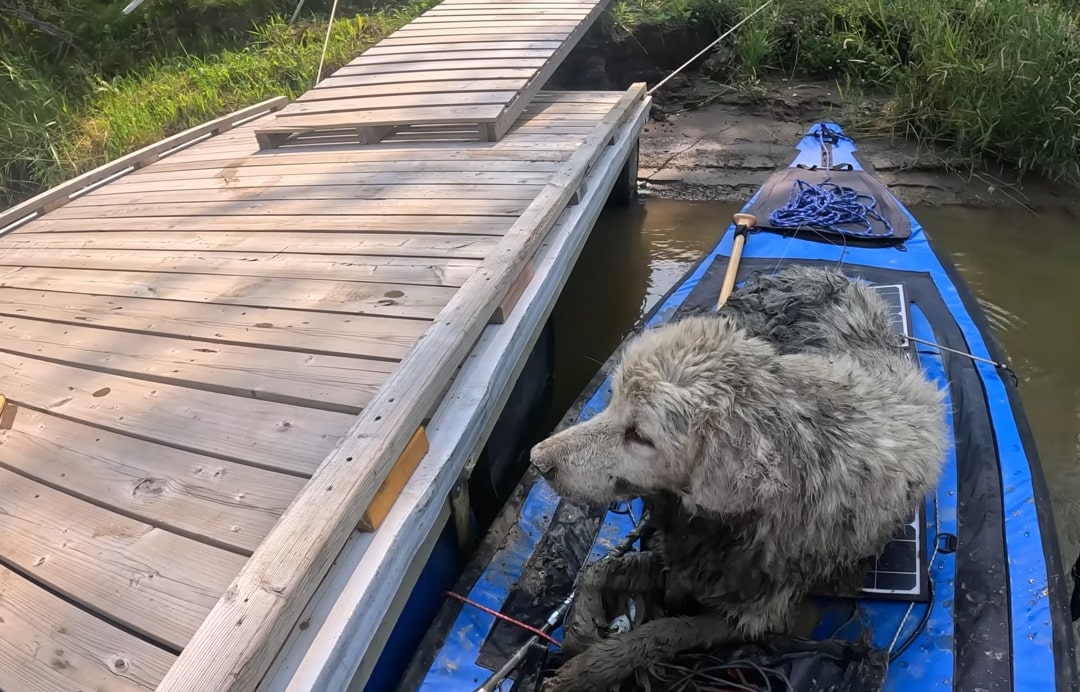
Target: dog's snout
pixel 542 462
pixel 541 458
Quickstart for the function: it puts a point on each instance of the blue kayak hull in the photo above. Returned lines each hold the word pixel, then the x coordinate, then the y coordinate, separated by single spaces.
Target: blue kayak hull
pixel 993 613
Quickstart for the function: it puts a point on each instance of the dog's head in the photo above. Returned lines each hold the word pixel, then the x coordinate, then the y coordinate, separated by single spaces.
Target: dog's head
pixel 674 385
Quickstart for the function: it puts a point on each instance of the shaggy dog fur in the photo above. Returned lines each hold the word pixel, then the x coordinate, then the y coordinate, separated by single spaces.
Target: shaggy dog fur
pixel 778 444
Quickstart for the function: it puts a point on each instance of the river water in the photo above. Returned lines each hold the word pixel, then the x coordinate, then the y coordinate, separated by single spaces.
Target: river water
pixel 1023 269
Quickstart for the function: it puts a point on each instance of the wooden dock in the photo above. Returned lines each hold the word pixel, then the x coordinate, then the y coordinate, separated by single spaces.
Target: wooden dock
pixel 471 64
pixel 221 355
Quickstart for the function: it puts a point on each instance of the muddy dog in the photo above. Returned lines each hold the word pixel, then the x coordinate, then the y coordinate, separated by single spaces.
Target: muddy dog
pixel 778 444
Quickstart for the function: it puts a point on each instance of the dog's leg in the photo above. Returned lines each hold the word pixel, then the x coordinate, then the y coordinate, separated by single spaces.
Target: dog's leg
pixel 587 619
pixel 606 663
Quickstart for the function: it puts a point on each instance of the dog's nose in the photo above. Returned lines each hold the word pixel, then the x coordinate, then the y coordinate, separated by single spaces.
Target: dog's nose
pixel 543 462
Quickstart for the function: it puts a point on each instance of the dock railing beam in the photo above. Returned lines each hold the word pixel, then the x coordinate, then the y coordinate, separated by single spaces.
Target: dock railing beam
pixel 244 631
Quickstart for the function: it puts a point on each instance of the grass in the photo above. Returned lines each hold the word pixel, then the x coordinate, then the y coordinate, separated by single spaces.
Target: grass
pixel 982 78
pixel 55 131
pixel 996 79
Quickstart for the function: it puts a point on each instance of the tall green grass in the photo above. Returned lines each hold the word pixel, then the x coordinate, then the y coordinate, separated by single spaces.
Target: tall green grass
pixel 51 130
pixel 982 78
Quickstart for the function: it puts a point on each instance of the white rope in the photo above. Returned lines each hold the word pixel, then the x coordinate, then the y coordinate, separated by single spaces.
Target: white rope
pixel 326 41
pixel 704 50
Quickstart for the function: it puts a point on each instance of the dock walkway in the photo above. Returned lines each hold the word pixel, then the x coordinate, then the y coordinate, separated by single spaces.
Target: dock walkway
pixel 474 64
pixel 213 354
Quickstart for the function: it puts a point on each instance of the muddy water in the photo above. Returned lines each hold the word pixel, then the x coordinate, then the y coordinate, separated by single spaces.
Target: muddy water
pixel 1024 270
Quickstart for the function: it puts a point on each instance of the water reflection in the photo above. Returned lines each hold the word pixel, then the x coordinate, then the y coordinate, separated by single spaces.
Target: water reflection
pixel 1023 270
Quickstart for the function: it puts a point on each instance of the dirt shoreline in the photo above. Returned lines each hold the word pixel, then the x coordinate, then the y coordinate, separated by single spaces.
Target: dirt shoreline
pixel 705 141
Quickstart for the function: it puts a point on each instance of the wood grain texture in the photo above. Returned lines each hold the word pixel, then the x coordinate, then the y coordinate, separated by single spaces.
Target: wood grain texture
pixel 267 434
pixel 395 480
pixel 323 169
pixel 246 190
pixel 345 297
pixel 464 158
pixel 371 244
pixel 341 80
pixel 297 207
pixel 296 223
pixel 109 563
pixel 247 626
pixel 221 503
pixel 293 330
pixel 323 93
pixel 72 650
pixel 271 265
pixel 457 67
pixel 61 193
pixel 333 383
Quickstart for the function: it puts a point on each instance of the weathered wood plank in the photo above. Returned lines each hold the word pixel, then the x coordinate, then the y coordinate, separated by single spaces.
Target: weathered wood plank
pixel 297 207
pixel 246 189
pixel 395 480
pixel 310 332
pixel 358 173
pixel 404 270
pixel 49 644
pixel 442 58
pixel 275 436
pixel 505 13
pixel 61 193
pixel 391 116
pixel 441 26
pixel 338 104
pixel 222 503
pixel 157 583
pixel 297 223
pixel 333 383
pixel 323 93
pixel 347 297
pixel 446 135
pixel 243 632
pixel 338 80
pixel 464 158
pixel 480 38
pixel 457 67
pixel 324 168
pixel 392 244
pixel 508 50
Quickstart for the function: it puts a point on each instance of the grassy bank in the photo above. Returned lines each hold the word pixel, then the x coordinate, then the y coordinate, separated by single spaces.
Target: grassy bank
pixel 57 124
pixel 997 79
pixel 983 78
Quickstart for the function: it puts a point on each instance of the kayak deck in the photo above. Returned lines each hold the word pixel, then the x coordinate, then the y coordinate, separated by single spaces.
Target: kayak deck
pixel 991 612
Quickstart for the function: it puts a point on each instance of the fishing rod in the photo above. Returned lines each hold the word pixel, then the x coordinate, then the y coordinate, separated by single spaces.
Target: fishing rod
pixel 498 677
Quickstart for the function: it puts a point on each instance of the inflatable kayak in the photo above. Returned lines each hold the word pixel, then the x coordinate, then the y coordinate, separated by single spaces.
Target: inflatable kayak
pixel 971 595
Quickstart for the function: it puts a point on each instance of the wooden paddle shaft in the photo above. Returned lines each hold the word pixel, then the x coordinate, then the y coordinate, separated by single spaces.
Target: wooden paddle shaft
pixel 743 223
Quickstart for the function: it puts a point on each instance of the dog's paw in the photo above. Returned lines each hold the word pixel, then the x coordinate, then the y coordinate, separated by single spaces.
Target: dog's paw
pixel 585 623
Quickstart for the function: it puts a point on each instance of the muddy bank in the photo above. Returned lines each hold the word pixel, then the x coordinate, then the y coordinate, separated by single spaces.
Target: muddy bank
pixel 722 145
pixel 707 140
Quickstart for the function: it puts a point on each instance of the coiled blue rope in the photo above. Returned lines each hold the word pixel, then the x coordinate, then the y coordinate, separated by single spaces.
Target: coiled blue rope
pixel 829 207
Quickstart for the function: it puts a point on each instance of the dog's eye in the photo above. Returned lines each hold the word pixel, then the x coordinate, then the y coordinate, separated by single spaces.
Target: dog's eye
pixel 632 434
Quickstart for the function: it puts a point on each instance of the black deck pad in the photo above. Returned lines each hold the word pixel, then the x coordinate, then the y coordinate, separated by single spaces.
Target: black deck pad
pixel 777 188
pixel 549 575
pixel 809 666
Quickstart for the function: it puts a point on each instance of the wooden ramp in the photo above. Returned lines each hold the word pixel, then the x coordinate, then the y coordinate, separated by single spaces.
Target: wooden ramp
pixel 472 64
pixel 191 351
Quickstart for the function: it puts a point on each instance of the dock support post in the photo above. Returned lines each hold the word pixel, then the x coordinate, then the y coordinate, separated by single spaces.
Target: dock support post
pixel 459 513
